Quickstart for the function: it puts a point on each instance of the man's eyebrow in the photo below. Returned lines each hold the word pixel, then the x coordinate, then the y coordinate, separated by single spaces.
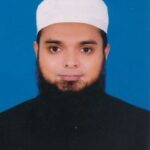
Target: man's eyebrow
pixel 88 42
pixel 53 41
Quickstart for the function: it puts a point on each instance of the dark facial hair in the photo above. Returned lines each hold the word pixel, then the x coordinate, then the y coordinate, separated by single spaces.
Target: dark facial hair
pixel 69 106
pixel 51 91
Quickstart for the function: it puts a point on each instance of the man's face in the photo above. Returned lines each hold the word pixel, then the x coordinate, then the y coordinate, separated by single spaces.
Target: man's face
pixel 71 55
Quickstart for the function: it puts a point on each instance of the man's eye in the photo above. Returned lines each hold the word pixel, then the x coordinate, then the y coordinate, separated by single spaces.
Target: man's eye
pixel 86 50
pixel 54 49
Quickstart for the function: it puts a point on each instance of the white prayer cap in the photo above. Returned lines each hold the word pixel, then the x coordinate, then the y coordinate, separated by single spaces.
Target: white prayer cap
pixel 92 12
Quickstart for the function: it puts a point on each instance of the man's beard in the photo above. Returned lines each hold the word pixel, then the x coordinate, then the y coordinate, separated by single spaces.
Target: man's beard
pixel 52 91
pixel 70 105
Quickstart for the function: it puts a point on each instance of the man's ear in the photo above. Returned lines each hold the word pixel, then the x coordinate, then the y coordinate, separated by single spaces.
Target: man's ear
pixel 36 48
pixel 106 51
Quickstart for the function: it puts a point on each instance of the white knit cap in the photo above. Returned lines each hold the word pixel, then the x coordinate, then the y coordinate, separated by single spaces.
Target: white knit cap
pixel 92 12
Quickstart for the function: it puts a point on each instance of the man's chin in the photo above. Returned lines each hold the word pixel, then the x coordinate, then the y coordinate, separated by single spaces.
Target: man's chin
pixel 71 86
pixel 63 86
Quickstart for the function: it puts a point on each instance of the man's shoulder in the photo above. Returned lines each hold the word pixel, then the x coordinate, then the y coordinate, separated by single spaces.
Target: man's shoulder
pixel 123 105
pixel 126 112
pixel 127 123
pixel 20 110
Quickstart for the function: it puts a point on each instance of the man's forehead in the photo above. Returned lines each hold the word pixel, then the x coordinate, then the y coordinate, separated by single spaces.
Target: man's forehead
pixel 72 30
pixel 69 26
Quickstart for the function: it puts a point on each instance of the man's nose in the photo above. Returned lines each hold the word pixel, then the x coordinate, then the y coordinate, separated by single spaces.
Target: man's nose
pixel 71 60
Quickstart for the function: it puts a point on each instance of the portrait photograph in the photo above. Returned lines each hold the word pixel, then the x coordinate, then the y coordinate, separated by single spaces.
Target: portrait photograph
pixel 75 75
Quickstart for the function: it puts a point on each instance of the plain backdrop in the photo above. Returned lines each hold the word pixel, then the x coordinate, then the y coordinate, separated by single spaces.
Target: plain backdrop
pixel 128 65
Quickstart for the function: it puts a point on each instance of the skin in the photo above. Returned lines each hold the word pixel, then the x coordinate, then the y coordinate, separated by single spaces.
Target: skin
pixel 71 55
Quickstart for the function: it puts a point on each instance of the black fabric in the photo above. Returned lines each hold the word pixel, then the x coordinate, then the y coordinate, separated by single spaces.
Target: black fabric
pixel 101 122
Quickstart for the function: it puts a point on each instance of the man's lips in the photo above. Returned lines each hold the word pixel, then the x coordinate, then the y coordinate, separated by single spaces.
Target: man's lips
pixel 70 77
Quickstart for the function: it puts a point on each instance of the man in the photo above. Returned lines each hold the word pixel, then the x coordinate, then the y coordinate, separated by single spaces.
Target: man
pixel 72 111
